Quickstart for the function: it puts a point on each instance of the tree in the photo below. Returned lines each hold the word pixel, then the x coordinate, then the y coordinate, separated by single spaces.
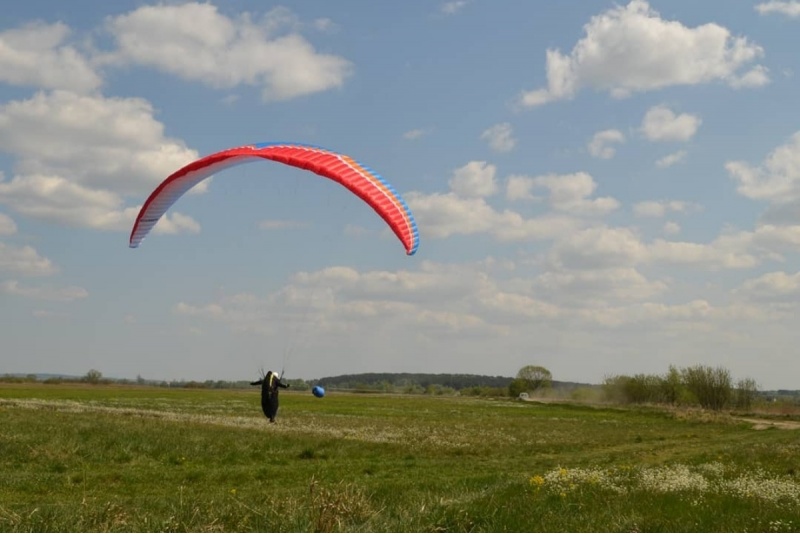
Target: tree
pixel 711 387
pixel 93 376
pixel 533 377
pixel 745 393
pixel 516 387
pixel 671 386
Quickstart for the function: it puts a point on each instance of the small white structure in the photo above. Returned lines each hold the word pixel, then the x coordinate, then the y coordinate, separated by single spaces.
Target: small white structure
pixel 523 395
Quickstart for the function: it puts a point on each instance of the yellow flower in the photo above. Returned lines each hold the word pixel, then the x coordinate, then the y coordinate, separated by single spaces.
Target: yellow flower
pixel 233 491
pixel 537 481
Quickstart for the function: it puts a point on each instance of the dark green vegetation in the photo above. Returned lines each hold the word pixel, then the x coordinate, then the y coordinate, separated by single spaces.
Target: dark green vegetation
pixel 126 458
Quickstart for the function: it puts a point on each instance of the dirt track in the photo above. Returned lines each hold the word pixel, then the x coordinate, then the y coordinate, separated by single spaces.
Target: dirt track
pixel 763 424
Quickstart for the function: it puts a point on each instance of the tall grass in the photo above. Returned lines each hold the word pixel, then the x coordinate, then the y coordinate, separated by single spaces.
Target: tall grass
pixel 111 458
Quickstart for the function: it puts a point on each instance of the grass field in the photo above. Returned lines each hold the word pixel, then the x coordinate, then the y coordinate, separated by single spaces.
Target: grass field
pixel 114 458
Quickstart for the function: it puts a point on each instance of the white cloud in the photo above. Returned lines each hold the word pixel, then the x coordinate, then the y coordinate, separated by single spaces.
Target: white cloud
pixel 443 215
pixel 475 179
pixel 7 225
pixel 434 300
pixel 671 228
pixel 606 248
pixel 723 253
pixel 567 192
pixel 325 25
pixel 171 223
pixel 450 8
pixel 24 260
pixel 571 192
pixel 600 145
pixel 782 213
pixel 77 156
pixel 671 159
pixel 630 49
pixel 772 238
pixel 790 8
pixel 662 124
pixel 755 77
pixel 475 301
pixel 598 248
pixel 596 288
pixel 520 188
pixel 771 286
pixel 197 42
pixel 414 134
pixel 65 294
pixel 56 199
pixel 114 143
pixel 776 179
pixel 35 55
pixel 653 208
pixel 500 137
pixel 464 210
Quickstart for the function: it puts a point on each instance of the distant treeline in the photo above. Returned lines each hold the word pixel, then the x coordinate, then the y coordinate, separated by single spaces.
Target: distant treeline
pixel 440 383
pixel 711 388
pixel 423 381
pixel 400 380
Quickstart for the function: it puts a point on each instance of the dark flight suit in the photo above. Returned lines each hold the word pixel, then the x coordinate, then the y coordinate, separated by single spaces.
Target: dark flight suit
pixel 269 394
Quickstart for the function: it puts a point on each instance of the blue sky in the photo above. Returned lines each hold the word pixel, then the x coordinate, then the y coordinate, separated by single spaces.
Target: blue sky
pixel 600 188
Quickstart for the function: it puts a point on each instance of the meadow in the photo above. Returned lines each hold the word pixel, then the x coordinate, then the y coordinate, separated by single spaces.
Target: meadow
pixel 123 458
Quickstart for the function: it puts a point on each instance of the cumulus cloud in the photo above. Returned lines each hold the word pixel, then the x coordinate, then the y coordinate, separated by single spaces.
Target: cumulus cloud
pixel 519 187
pixel 445 214
pixel 7 225
pixel 776 179
pixel 659 208
pixel 197 42
pixel 598 248
pixel 414 134
pixel 64 294
pixel 440 298
pixel 36 55
pixel 500 137
pixel 571 192
pixel 607 247
pixel 790 8
pixel 771 286
pixel 464 210
pixel 567 193
pixel 78 156
pixel 24 260
pixel 476 301
pixel 453 7
pixel 599 287
pixel 671 228
pixel 56 199
pixel 671 159
pixel 475 179
pixel 630 49
pixel 662 124
pixel 601 144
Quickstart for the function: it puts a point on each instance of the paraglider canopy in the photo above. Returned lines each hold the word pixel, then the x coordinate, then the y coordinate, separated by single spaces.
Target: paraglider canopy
pixel 357 178
pixel 318 391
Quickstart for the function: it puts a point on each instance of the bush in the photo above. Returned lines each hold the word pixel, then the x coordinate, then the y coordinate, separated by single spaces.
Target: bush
pixel 745 393
pixel 711 386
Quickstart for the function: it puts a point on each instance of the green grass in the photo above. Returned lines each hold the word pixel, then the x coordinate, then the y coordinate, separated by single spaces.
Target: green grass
pixel 111 458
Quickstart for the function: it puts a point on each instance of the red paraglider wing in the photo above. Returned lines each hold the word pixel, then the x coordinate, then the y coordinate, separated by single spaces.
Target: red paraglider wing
pixel 357 178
